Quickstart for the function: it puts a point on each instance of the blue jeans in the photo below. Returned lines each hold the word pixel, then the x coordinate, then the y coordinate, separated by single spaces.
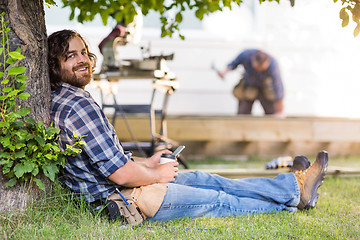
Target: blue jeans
pixel 197 194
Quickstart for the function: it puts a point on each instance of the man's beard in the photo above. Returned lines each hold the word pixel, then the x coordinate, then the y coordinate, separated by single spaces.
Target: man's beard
pixel 80 82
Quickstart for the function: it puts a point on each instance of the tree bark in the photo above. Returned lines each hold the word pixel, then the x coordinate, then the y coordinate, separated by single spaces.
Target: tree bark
pixel 28 31
pixel 27 23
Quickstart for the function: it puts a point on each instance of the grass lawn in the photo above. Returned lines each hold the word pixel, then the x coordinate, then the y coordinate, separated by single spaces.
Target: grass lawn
pixel 59 216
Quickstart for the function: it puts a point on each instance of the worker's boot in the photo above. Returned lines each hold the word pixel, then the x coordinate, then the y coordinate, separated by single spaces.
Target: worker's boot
pixel 310 180
pixel 300 163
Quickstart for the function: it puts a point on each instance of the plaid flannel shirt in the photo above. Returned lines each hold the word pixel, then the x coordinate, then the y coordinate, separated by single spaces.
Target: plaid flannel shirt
pixel 74 110
pixel 254 78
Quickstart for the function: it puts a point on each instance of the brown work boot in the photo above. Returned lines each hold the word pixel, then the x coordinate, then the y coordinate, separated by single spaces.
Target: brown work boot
pixel 310 180
pixel 300 163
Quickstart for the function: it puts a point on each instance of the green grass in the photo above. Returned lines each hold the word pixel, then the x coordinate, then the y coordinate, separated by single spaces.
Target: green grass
pixel 59 216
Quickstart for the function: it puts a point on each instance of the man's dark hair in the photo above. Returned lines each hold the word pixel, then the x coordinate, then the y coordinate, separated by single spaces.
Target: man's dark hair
pixel 260 57
pixel 58 45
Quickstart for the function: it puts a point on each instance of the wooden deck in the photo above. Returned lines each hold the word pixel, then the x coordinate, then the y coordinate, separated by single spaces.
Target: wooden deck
pixel 262 136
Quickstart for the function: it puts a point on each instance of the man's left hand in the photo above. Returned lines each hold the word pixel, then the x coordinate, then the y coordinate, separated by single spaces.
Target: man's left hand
pixel 154 160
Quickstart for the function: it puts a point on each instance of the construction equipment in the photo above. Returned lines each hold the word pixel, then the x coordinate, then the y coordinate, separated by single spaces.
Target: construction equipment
pixel 164 82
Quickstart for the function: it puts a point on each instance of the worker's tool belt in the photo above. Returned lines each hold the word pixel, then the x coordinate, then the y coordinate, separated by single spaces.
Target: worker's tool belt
pixel 268 89
pixel 142 202
pixel 243 92
pixel 250 93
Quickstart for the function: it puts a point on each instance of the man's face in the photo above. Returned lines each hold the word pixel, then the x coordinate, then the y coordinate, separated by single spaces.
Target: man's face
pixel 76 68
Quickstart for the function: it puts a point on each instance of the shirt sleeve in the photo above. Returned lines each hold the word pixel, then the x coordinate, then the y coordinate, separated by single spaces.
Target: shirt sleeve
pixel 87 120
pixel 277 80
pixel 237 61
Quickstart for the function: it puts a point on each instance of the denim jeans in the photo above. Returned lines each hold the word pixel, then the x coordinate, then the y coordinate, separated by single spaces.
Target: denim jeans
pixel 197 194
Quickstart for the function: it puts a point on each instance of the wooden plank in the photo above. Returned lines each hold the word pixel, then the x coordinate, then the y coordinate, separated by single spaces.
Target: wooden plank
pixel 238 129
pixel 214 136
pixel 336 130
pixel 234 128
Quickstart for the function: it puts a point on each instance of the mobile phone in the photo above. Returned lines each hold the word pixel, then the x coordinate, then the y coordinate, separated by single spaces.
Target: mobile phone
pixel 178 150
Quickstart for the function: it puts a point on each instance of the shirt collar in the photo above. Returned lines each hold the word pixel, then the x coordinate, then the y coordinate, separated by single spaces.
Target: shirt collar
pixel 75 90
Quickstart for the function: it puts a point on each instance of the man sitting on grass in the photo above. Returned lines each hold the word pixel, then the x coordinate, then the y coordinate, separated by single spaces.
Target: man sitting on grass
pixel 157 191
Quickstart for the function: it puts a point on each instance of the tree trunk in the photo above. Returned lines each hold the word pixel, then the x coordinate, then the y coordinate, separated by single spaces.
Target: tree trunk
pixel 17 198
pixel 28 31
pixel 27 22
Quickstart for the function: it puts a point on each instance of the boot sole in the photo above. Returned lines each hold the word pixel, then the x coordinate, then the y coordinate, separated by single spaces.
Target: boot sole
pixel 323 157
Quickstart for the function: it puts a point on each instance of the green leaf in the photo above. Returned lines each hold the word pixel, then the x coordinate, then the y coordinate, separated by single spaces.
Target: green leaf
pixel 20 145
pixel 50 171
pixel 119 16
pixel 55 148
pixel 35 148
pixel 23 112
pixel 40 140
pixel 35 171
pixel 10 61
pixel 11 182
pixel 104 17
pixel 50 156
pixel 4 124
pixel 75 135
pixel 178 17
pixel 10 175
pixel 39 183
pixel 51 2
pixel 5 155
pixel 13 93
pixel 40 125
pixel 16 70
pixel 16 55
pixel 5 141
pixel 5 81
pixel 30 120
pixel 51 131
pixel 21 78
pixel 20 154
pixel 21 87
pixel 20 124
pixel 7 89
pixel 29 166
pixel 2 162
pixel 5 169
pixel 29 136
pixel 24 95
pixel 19 170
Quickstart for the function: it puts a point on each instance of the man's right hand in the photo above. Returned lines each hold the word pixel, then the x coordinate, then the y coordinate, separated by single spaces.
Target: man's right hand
pixel 167 172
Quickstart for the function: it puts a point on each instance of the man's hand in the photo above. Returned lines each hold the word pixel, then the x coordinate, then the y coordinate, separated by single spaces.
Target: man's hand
pixel 167 172
pixel 279 109
pixel 224 72
pixel 154 160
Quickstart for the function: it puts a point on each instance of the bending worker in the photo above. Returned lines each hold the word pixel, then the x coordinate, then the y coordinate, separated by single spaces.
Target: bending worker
pixel 260 81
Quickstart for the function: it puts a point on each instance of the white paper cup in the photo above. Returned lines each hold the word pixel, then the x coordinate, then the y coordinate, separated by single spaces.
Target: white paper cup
pixel 165 158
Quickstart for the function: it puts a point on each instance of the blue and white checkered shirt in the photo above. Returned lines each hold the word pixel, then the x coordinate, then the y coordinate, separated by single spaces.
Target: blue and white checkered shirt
pixel 74 110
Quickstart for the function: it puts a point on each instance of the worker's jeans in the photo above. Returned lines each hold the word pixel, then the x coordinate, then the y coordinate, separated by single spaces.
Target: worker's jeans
pixel 197 194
